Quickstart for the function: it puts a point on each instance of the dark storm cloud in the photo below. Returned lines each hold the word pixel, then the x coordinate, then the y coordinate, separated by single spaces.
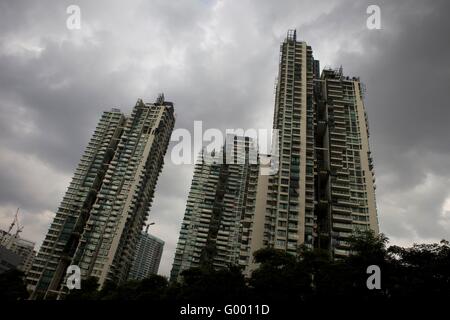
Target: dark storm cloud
pixel 217 61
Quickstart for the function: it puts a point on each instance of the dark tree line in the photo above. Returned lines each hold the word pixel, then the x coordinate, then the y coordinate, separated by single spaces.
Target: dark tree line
pixel 12 285
pixel 420 271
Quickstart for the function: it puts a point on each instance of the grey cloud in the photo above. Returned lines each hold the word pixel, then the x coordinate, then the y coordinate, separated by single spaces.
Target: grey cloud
pixel 217 61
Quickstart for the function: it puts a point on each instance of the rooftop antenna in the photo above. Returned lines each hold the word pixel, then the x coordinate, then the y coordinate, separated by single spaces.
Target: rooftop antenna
pixel 160 99
pixel 148 225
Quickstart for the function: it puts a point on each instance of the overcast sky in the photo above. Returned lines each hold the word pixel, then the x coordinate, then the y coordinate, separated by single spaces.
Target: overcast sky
pixel 217 61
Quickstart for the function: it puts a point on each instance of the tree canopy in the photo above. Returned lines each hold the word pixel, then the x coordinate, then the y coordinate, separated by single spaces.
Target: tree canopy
pixel 310 276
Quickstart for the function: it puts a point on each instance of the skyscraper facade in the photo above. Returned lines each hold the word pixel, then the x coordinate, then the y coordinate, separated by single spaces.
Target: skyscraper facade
pixel 345 180
pixel 147 257
pixel 219 209
pixel 288 199
pixel 101 216
pixel 324 189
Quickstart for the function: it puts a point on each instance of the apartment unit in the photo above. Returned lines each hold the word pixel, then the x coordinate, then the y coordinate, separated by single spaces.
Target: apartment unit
pixel 147 258
pixel 216 227
pixel 98 223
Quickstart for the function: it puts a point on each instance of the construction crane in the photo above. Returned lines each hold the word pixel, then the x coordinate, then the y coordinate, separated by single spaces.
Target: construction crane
pixel 8 238
pixel 148 225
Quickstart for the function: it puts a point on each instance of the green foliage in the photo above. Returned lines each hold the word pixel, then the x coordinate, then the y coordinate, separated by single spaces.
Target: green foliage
pixel 368 247
pixel 278 276
pixel 12 285
pixel 152 289
pixel 424 268
pixel 207 284
pixel 88 291
pixel 311 276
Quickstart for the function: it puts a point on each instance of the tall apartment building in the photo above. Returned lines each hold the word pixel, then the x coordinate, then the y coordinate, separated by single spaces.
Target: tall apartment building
pixel 22 247
pixel 287 198
pixel 147 257
pixel 324 189
pixel 345 180
pixel 100 218
pixel 220 207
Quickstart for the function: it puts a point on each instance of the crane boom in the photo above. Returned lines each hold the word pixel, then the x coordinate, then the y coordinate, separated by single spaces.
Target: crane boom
pixel 7 237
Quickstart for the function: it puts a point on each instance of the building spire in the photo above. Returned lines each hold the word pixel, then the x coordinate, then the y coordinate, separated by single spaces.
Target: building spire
pixel 160 99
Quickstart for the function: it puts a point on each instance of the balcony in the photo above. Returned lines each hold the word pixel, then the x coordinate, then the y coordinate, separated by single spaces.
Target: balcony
pixel 340 186
pixel 340 252
pixel 292 236
pixel 341 194
pixel 342 226
pixel 341 209
pixel 342 218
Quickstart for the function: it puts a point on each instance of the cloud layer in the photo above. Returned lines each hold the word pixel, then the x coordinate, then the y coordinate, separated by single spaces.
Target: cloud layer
pixel 217 61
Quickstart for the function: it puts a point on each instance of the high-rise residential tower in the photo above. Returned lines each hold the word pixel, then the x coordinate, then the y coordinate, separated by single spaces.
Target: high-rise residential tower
pixel 324 189
pixel 98 223
pixel 219 209
pixel 147 258
pixel 345 181
pixel 287 199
